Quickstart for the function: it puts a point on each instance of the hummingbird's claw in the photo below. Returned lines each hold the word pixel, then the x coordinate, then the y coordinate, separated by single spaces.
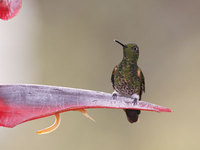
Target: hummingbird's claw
pixel 52 127
pixel 135 98
pixel 135 101
pixel 86 114
pixel 114 95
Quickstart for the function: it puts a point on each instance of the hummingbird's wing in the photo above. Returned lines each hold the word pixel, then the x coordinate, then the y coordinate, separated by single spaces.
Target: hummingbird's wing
pixel 113 76
pixel 142 81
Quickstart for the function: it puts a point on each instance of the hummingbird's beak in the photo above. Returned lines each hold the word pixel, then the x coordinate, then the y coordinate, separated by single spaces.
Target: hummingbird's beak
pixel 120 43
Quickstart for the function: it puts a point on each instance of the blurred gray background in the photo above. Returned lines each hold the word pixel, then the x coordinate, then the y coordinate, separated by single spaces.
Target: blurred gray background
pixel 70 43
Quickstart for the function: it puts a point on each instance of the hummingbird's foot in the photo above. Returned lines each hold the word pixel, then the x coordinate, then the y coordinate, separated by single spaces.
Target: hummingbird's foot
pixel 135 101
pixel 135 98
pixel 114 95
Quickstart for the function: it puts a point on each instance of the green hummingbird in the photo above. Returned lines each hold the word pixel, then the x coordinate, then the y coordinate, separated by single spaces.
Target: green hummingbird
pixel 127 78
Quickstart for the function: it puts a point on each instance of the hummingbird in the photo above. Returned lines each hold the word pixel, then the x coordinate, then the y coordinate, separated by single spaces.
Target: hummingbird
pixel 127 78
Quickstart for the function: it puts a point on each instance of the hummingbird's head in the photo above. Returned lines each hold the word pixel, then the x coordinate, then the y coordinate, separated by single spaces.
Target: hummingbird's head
pixel 131 51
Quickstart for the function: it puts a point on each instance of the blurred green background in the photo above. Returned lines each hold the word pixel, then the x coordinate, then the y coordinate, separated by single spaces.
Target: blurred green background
pixel 70 43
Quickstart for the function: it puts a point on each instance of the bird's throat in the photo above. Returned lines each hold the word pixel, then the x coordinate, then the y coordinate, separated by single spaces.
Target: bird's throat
pixel 129 62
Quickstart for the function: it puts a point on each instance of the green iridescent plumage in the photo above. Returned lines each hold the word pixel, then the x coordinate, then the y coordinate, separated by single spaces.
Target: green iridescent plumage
pixel 128 79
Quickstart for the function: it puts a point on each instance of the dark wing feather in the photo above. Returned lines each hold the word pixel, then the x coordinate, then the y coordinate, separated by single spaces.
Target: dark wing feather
pixel 113 76
pixel 142 81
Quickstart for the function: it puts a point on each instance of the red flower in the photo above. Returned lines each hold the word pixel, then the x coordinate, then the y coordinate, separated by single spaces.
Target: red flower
pixel 9 8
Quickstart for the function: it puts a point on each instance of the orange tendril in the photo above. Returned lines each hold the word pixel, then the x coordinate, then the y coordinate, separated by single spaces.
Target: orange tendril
pixel 52 127
pixel 84 112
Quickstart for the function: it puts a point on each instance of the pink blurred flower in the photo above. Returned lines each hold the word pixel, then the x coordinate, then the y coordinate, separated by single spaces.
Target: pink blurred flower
pixel 9 8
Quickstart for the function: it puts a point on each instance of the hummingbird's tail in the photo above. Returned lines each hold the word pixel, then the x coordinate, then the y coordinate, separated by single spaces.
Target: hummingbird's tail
pixel 132 115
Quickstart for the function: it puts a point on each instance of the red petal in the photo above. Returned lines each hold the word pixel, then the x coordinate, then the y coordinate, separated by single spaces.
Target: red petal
pixel 9 8
pixel 21 103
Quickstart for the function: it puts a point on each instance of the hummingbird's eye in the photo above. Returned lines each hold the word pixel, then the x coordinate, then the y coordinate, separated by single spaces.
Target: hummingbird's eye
pixel 135 48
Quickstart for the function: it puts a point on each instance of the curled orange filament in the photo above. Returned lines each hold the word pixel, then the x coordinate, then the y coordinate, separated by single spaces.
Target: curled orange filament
pixel 57 122
pixel 52 127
